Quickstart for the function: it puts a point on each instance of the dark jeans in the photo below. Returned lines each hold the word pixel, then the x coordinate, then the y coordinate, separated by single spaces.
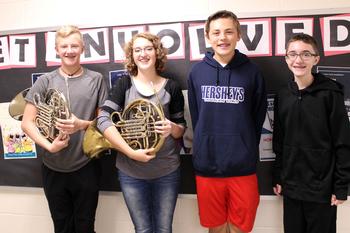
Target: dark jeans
pixel 73 197
pixel 308 217
pixel 151 203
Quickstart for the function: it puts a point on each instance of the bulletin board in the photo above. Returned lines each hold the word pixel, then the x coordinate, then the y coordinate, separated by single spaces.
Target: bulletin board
pixel 24 57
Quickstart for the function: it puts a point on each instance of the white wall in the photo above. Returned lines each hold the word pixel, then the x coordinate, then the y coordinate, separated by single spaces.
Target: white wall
pixel 24 210
pixel 21 15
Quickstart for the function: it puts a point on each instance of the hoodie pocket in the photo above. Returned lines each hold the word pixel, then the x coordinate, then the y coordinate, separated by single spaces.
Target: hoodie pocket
pixel 318 161
pixel 220 154
pixel 307 167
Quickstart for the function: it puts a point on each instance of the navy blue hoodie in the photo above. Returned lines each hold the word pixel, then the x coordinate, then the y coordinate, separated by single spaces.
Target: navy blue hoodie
pixel 228 108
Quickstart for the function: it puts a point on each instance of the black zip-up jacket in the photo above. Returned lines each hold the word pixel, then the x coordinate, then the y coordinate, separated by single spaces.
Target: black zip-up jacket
pixel 311 139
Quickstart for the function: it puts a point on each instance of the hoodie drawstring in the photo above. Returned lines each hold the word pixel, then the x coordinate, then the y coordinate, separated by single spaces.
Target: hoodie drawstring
pixel 217 76
pixel 218 80
pixel 229 80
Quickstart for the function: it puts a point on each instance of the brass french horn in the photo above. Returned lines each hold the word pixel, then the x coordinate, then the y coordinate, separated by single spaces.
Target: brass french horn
pixel 136 124
pixel 53 106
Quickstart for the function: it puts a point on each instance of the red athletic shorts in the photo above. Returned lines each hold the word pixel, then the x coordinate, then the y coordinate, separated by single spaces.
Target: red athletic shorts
pixel 231 199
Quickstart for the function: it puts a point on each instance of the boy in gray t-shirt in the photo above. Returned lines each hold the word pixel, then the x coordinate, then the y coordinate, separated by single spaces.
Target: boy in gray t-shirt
pixel 70 179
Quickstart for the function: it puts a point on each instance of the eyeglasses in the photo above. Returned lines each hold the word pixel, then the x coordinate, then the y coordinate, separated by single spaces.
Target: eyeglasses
pixel 147 49
pixel 305 56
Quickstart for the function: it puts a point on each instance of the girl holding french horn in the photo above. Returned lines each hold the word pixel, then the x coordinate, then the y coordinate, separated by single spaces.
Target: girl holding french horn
pixel 149 177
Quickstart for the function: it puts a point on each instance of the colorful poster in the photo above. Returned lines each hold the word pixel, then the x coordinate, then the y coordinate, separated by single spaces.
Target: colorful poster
pixel 265 146
pixel 16 144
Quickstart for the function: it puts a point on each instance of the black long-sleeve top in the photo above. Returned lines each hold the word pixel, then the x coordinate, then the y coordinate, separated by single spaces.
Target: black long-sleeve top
pixel 311 139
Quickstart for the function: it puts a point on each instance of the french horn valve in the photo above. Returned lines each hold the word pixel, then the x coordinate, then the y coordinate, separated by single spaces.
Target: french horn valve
pixel 52 107
pixel 136 124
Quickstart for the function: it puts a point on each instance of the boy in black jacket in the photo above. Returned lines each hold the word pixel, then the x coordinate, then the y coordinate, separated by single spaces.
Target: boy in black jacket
pixel 311 139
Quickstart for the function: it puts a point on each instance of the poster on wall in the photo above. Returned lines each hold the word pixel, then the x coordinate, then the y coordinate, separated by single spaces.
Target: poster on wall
pixel 16 144
pixel 187 138
pixel 265 146
pixel 342 75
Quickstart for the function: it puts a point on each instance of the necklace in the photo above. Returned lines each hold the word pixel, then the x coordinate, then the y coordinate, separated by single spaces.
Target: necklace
pixel 71 74
pixel 66 81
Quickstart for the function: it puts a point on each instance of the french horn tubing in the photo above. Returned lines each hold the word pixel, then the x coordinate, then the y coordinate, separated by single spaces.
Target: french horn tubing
pixel 53 106
pixel 136 124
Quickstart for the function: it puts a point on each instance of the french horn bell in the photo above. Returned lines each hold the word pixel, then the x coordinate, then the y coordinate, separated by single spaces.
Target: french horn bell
pixel 136 124
pixel 94 142
pixel 17 104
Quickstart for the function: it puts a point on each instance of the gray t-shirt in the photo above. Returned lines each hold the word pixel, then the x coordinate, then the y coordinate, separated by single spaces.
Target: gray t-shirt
pixel 172 100
pixel 85 94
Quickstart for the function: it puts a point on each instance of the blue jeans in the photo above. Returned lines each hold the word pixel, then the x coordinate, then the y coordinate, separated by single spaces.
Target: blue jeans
pixel 151 203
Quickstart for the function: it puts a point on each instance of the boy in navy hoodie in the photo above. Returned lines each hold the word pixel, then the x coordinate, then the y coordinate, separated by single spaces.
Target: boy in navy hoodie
pixel 311 139
pixel 227 101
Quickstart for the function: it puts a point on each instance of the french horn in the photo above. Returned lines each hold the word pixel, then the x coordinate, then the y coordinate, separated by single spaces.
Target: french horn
pixel 53 106
pixel 136 124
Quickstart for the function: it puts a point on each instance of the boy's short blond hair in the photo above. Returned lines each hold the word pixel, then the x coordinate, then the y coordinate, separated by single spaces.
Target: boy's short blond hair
pixel 68 30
